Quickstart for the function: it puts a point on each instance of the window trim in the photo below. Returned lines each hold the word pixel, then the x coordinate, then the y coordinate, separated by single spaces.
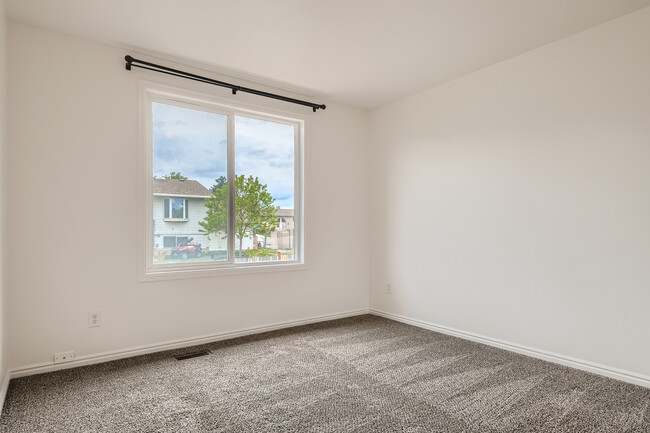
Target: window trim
pixel 154 92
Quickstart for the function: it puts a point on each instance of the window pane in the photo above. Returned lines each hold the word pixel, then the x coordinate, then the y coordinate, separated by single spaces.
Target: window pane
pixel 189 162
pixel 178 208
pixel 264 169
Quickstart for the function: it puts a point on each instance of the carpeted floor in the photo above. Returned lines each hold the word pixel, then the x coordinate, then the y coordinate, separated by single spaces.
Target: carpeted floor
pixel 363 374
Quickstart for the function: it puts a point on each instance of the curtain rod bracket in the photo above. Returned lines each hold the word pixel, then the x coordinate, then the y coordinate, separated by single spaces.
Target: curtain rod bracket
pixel 130 62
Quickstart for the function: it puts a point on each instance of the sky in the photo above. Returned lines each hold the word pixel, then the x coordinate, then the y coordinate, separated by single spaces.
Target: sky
pixel 194 143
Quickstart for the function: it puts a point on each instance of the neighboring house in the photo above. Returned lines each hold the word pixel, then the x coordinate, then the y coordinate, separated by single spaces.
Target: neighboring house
pixel 178 207
pixel 282 237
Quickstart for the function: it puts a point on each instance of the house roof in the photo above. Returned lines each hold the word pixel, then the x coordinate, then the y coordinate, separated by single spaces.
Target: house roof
pixel 178 187
pixel 284 212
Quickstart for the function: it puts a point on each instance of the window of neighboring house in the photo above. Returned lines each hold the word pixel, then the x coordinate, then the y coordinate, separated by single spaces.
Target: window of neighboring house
pixel 176 209
pixel 174 241
pixel 197 149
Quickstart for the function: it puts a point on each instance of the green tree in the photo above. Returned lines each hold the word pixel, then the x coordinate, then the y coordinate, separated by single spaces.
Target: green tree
pixel 216 217
pixel 254 210
pixel 174 175
pixel 218 183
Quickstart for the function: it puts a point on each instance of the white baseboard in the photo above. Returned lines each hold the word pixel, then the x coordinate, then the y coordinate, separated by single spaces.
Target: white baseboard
pixel 614 373
pixel 168 345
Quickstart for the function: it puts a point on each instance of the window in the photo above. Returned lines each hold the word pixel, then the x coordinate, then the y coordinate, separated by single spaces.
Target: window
pixel 175 209
pixel 196 149
pixel 174 241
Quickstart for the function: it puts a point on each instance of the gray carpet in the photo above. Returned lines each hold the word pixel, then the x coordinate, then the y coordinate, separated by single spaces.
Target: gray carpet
pixel 363 374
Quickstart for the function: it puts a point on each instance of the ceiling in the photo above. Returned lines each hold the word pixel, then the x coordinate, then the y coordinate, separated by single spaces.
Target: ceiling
pixel 359 52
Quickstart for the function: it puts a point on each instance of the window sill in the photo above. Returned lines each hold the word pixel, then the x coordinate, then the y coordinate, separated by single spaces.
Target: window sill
pixel 175 220
pixel 163 273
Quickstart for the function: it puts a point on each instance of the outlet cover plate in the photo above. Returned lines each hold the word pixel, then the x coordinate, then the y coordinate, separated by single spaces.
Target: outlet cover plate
pixel 63 357
pixel 94 319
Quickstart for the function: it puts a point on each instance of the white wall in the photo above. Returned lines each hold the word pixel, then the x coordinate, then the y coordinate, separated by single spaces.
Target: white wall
pixel 73 147
pixel 515 202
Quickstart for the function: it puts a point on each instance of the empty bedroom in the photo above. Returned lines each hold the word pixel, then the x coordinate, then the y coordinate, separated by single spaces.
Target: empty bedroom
pixel 304 216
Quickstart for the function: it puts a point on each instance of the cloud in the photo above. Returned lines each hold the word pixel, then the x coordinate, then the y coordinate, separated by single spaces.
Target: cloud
pixel 191 142
pixel 266 150
pixel 194 143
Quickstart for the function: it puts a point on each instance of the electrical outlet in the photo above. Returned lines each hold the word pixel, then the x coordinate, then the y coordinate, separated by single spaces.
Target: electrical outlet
pixel 63 357
pixel 389 289
pixel 94 319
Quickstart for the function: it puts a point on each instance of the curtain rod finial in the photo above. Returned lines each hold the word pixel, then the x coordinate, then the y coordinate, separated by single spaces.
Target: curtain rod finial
pixel 129 60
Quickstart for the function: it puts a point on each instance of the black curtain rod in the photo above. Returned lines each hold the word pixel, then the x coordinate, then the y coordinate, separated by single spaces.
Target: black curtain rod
pixel 131 62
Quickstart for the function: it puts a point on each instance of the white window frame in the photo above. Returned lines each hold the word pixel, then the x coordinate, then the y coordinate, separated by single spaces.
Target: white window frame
pixel 154 92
